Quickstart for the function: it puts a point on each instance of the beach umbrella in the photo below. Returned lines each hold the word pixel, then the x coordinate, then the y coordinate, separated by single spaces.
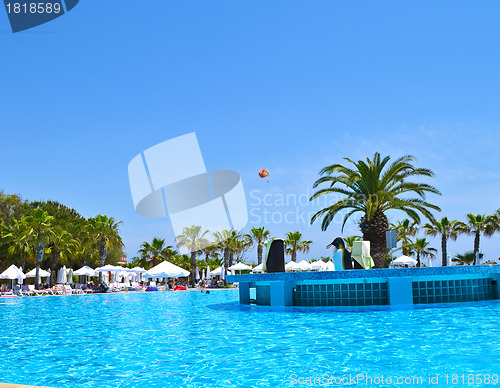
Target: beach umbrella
pixel 330 266
pixel 42 274
pixel 61 275
pixel 209 274
pixel 203 274
pixel 216 272
pixel 319 265
pixel 85 271
pixel 240 267
pixel 12 273
pixel 304 265
pixel 258 268
pixel 166 270
pixel 70 276
pixel 405 260
pixel 291 266
pixel 197 276
pixel 223 273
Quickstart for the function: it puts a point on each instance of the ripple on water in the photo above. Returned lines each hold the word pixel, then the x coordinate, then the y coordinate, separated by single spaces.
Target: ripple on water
pixel 195 340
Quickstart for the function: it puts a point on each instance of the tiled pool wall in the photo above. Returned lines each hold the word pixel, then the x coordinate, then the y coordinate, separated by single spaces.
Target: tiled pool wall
pixel 369 288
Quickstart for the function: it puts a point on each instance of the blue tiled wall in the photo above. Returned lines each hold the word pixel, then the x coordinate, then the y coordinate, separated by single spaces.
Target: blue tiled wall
pixel 263 295
pixel 456 290
pixel 346 294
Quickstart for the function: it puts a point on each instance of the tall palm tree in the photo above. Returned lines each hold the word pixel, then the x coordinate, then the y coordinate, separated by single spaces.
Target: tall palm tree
pixel 156 250
pixel 404 231
pixel 447 230
pixel 15 244
pixel 258 236
pixel 421 249
pixel 193 239
pixel 105 230
pixel 61 245
pixel 229 242
pixel 478 224
pixel 38 232
pixel 372 188
pixel 294 244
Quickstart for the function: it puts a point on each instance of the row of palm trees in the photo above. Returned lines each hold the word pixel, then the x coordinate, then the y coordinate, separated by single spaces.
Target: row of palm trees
pixel 371 188
pixel 50 234
pixel 224 248
pixel 476 225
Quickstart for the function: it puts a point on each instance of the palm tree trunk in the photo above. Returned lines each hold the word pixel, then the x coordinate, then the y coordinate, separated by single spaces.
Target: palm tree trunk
pixel 53 265
pixel 231 256
pixel 102 255
pixel 259 253
pixel 418 259
pixel 39 258
pixel 294 254
pixel 444 259
pixel 193 268
pixel 374 231
pixel 226 262
pixel 476 246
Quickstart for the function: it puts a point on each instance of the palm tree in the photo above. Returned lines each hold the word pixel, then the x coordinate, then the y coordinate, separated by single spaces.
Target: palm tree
pixel 447 230
pixel 372 188
pixel 404 230
pixel 480 224
pixel 466 259
pixel 421 248
pixel 105 230
pixel 294 244
pixel 156 250
pixel 15 244
pixel 38 232
pixel 61 245
pixel 349 241
pixel 258 236
pixel 229 242
pixel 193 239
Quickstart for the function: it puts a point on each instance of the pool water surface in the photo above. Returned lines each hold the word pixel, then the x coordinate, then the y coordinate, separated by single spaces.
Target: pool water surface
pixel 190 339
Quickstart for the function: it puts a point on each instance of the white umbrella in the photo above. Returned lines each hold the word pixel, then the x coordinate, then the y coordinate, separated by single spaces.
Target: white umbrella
pixel 319 265
pixel 203 274
pixel 258 268
pixel 291 266
pixel 330 266
pixel 85 271
pixel 239 267
pixel 209 274
pixel 70 276
pixel 110 268
pixel 405 260
pixel 41 272
pixel 216 272
pixel 166 270
pixel 12 273
pixel 197 276
pixel 304 265
pixel 223 273
pixel 61 275
pixel 137 270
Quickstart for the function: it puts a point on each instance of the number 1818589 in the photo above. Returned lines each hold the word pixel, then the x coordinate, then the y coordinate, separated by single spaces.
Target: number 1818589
pixel 33 7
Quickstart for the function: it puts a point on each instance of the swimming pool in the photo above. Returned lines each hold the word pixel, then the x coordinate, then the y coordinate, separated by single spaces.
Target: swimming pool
pixel 189 339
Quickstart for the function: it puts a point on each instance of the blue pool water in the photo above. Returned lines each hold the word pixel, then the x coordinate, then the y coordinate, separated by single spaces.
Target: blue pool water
pixel 189 339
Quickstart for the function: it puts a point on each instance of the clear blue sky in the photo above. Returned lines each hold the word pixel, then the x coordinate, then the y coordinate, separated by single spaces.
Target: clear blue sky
pixel 288 86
